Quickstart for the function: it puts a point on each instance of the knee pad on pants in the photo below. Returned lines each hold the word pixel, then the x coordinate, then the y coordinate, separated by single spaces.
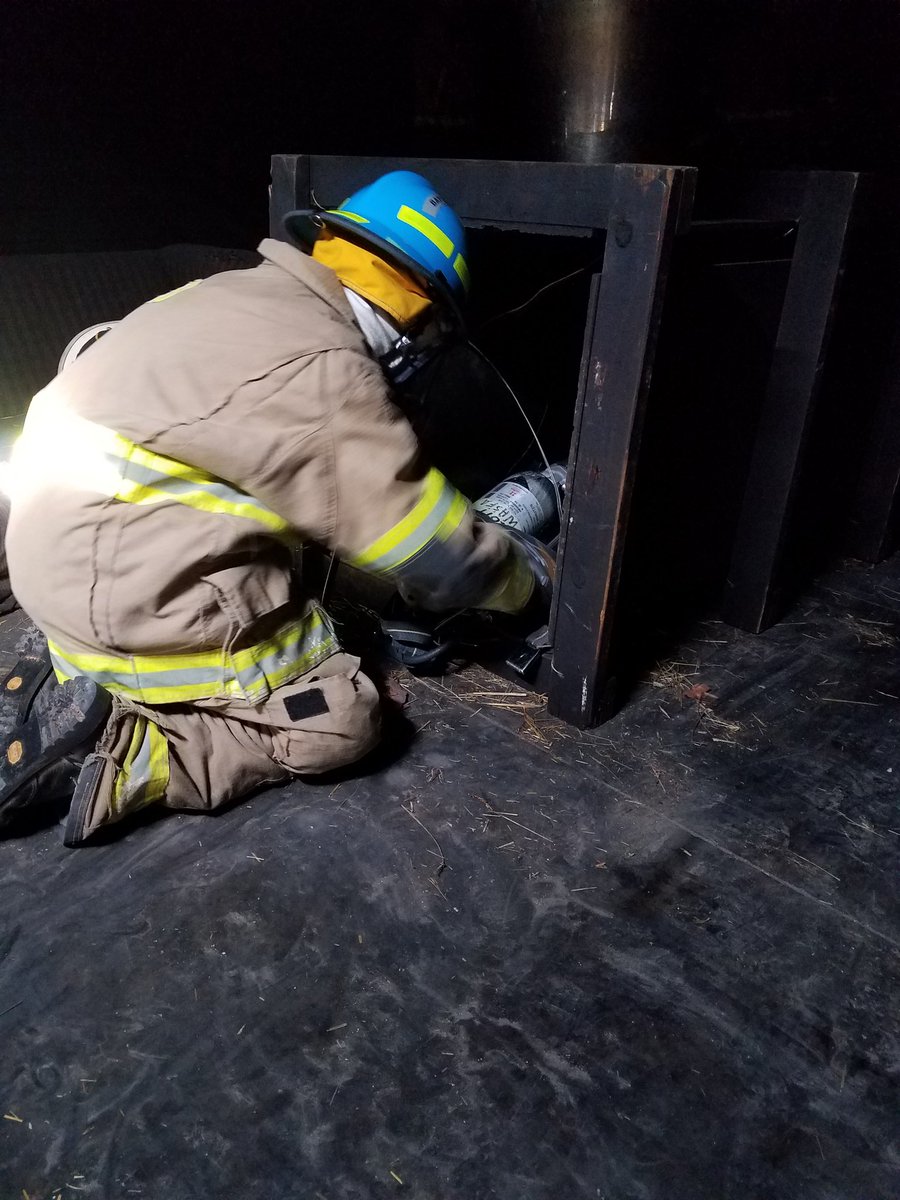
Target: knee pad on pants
pixel 325 723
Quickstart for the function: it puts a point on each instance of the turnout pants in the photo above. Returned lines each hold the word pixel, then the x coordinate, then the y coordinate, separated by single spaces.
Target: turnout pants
pixel 202 755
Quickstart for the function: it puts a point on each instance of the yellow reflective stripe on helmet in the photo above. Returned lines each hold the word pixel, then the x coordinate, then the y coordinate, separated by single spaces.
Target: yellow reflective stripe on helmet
pixel 351 216
pixel 144 775
pixel 426 226
pixel 249 674
pixel 148 478
pixel 436 515
pixel 462 270
pixel 174 292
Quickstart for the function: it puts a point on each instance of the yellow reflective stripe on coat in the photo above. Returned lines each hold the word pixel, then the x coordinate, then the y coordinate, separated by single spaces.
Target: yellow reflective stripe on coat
pixel 435 517
pixel 427 227
pixel 144 775
pixel 148 478
pixel 75 452
pixel 250 674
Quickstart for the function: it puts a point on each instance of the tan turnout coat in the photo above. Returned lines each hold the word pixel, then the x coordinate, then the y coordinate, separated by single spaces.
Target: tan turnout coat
pixel 260 382
pixel 158 487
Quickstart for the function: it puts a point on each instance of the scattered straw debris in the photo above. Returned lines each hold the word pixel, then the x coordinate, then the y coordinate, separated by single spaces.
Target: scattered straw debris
pixel 870 633
pixel 863 823
pixel 493 812
pixel 485 691
pixel 544 729
pixel 437 845
pixel 817 866
pixel 678 676
pixel 674 676
pixel 711 720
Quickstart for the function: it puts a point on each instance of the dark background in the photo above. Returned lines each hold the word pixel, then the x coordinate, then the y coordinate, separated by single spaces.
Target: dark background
pixel 292 1000
pixel 128 125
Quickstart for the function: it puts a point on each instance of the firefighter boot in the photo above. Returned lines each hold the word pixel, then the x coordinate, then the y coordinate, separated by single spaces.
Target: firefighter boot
pixel 46 730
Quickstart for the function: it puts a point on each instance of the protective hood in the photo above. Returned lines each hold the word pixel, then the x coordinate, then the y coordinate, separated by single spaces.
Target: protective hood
pixel 360 269
pixel 380 333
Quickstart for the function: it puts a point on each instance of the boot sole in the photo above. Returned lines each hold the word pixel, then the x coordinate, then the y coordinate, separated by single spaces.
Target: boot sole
pixel 82 802
pixel 91 720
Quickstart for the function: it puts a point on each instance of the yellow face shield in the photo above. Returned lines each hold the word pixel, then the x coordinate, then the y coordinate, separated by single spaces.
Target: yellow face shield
pixel 394 292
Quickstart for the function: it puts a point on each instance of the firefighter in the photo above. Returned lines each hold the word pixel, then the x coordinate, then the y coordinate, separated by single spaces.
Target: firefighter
pixel 162 482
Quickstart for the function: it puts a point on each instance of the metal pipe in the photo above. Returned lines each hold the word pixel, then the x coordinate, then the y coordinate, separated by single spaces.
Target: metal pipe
pixel 592 36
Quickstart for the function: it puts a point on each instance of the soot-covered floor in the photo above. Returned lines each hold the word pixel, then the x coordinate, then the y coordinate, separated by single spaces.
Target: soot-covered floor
pixel 656 962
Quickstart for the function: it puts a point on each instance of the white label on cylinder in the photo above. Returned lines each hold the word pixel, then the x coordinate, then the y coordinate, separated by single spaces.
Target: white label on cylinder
pixel 512 505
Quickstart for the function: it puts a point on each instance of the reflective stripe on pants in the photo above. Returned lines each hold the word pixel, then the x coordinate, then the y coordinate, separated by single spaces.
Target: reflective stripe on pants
pixel 212 753
pixel 250 674
pixel 144 772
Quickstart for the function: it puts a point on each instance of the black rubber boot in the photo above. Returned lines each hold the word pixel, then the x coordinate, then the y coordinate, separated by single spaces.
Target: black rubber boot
pixel 46 731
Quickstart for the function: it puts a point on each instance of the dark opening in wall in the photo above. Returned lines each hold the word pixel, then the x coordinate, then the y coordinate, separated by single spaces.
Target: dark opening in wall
pixel 527 314
pixel 715 347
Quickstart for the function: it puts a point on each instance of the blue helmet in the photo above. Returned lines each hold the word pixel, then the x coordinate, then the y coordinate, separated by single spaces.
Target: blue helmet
pixel 402 216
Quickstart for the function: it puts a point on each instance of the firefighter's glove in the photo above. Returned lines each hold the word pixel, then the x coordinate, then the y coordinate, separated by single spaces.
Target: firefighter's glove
pixel 541 562
pixel 529 577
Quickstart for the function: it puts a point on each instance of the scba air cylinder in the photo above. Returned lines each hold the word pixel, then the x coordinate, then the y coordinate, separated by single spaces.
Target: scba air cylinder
pixel 529 501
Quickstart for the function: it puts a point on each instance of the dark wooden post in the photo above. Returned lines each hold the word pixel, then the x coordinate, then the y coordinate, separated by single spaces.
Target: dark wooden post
pixel 752 594
pixel 644 215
